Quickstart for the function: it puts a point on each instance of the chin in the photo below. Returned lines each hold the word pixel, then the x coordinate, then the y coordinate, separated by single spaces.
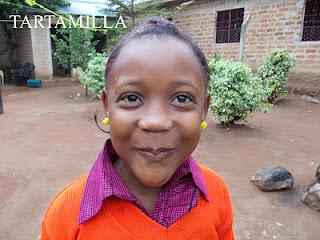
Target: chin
pixel 153 176
pixel 154 182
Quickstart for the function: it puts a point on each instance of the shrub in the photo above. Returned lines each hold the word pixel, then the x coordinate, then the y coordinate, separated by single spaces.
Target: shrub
pixel 274 73
pixel 73 47
pixel 93 76
pixel 235 92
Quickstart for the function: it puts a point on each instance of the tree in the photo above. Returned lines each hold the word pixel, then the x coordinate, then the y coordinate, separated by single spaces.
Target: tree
pixel 11 7
pixel 19 6
pixel 74 47
pixel 136 11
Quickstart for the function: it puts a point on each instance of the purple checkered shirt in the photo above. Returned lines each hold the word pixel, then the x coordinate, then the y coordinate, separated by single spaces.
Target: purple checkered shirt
pixel 178 196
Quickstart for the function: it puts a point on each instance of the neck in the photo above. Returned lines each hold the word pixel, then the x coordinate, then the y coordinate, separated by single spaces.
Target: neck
pixel 147 195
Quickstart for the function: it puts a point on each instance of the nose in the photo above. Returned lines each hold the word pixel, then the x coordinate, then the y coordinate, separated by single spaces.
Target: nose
pixel 155 118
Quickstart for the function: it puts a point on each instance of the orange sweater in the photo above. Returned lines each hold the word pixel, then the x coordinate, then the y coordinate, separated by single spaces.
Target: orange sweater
pixel 120 219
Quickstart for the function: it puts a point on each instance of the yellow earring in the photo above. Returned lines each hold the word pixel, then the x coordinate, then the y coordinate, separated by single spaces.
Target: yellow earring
pixel 106 121
pixel 204 124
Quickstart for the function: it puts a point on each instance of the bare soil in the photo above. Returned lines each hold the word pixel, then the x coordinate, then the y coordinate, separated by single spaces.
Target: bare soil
pixel 48 137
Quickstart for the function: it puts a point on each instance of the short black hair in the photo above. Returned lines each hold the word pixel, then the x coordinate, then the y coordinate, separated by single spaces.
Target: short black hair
pixel 158 27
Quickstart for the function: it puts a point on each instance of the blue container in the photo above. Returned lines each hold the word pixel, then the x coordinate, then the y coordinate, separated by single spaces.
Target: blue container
pixel 34 83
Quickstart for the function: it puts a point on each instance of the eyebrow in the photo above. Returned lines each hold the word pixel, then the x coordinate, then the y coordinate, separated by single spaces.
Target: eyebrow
pixel 185 83
pixel 129 81
pixel 137 82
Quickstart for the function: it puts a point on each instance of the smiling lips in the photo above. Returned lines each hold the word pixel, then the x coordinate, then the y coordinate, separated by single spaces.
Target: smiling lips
pixel 156 154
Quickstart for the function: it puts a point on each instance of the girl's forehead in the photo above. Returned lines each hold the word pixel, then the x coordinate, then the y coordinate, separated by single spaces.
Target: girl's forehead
pixel 155 42
pixel 156 62
pixel 157 53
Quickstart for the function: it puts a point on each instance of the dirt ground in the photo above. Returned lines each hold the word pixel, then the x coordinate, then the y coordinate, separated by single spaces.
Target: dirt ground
pixel 48 137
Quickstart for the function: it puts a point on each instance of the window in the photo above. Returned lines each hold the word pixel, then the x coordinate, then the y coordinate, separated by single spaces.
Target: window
pixel 229 25
pixel 311 24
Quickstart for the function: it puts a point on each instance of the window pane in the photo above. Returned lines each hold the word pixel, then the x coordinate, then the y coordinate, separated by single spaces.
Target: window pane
pixel 236 21
pixel 222 32
pixel 311 24
pixel 229 25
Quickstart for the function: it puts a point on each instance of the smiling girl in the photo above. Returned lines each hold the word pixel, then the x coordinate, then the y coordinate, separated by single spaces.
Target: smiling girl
pixel 145 183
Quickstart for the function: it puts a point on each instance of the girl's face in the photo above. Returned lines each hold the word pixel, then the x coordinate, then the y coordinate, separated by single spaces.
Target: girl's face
pixel 155 100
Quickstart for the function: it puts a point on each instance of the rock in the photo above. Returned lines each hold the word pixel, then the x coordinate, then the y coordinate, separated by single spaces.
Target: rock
pixel 317 180
pixel 308 98
pixel 273 178
pixel 312 197
pixel 78 95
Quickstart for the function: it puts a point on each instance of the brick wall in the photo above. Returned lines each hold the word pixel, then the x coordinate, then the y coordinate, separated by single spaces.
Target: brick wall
pixel 42 57
pixel 24 50
pixel 4 58
pixel 273 24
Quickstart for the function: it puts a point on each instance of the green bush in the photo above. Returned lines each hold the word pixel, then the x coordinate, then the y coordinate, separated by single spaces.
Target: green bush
pixel 235 92
pixel 274 73
pixel 73 47
pixel 93 76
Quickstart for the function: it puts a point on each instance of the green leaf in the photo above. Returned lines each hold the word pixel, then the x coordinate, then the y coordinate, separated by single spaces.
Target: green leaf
pixel 274 72
pixel 235 92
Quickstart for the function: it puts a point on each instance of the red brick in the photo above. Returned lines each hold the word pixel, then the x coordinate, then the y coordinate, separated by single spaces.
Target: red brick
pixel 269 28
pixel 313 56
pixel 309 61
pixel 311 50
pixel 283 9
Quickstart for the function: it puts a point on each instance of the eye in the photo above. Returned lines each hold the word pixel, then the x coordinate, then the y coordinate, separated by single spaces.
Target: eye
pixel 183 100
pixel 130 99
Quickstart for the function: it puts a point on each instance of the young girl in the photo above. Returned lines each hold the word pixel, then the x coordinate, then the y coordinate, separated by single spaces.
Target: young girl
pixel 145 183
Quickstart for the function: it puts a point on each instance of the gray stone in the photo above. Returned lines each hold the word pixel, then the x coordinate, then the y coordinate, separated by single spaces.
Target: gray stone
pixel 317 180
pixel 312 197
pixel 308 98
pixel 273 178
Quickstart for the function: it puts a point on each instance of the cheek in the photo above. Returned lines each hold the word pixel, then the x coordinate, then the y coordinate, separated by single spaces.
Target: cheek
pixel 189 129
pixel 122 123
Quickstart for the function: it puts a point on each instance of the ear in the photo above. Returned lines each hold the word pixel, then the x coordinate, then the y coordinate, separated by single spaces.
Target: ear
pixel 206 105
pixel 104 99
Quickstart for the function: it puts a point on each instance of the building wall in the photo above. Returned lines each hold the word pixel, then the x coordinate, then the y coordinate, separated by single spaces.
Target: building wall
pixel 33 46
pixel 24 50
pixel 273 24
pixel 42 54
pixel 24 47
pixel 4 58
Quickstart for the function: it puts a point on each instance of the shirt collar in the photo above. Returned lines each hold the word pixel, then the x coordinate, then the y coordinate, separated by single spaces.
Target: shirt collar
pixel 102 177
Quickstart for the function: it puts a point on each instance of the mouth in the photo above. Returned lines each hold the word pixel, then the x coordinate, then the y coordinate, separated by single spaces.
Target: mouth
pixel 157 154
